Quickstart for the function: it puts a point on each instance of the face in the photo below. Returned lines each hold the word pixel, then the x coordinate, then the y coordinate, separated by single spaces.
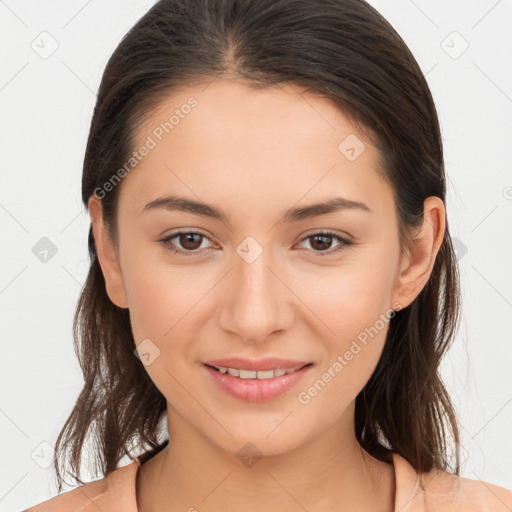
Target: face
pixel 253 282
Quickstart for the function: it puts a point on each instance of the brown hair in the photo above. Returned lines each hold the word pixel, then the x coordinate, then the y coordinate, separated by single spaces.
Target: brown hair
pixel 347 52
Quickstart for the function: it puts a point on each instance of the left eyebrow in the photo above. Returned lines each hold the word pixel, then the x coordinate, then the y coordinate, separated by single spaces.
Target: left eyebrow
pixel 332 205
pixel 292 215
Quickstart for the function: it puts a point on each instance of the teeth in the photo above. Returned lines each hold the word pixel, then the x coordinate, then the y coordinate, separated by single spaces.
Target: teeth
pixel 251 374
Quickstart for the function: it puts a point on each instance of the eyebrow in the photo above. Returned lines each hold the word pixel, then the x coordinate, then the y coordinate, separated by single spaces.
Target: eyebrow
pixel 296 214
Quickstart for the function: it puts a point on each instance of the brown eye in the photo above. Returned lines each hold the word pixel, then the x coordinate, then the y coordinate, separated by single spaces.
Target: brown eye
pixel 322 241
pixel 188 242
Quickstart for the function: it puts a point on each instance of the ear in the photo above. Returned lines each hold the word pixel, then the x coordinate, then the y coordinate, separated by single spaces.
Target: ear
pixel 418 262
pixel 107 255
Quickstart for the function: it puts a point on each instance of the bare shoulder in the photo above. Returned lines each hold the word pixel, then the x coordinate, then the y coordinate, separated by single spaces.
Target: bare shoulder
pixel 114 492
pixel 83 498
pixel 445 491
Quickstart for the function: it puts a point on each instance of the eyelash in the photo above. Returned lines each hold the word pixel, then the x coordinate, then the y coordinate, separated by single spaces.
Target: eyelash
pixel 344 243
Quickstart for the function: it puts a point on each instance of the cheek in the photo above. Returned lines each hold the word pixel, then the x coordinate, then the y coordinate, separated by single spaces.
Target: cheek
pixel 161 304
pixel 358 321
pixel 358 317
pixel 351 296
pixel 353 301
pixel 159 294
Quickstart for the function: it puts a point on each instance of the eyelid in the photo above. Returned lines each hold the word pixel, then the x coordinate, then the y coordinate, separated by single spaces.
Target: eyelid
pixel 184 231
pixel 345 242
pixel 327 231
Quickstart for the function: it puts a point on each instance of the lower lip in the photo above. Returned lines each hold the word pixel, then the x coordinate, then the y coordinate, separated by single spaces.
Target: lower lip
pixel 256 390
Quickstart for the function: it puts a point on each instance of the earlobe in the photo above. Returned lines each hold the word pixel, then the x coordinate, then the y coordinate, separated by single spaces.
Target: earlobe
pixel 107 256
pixel 418 262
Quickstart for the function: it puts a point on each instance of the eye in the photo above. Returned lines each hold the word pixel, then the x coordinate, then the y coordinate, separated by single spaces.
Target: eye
pixel 323 239
pixel 191 241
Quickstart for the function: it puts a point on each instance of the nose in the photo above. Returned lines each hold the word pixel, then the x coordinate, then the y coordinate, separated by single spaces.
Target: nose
pixel 257 303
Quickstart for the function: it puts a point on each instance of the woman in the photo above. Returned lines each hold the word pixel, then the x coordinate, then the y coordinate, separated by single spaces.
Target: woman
pixel 272 273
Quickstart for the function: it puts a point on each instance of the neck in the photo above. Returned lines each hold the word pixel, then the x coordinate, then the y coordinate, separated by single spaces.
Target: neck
pixel 329 472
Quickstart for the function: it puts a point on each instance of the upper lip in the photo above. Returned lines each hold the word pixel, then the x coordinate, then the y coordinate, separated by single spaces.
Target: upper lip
pixel 268 363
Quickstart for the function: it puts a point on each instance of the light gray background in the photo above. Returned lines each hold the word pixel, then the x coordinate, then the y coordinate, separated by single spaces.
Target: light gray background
pixel 46 103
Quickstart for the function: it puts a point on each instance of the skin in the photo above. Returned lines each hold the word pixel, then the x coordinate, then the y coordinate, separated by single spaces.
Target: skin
pixel 256 153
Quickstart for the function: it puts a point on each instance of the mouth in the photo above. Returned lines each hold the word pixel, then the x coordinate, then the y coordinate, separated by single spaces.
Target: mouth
pixel 257 374
pixel 256 385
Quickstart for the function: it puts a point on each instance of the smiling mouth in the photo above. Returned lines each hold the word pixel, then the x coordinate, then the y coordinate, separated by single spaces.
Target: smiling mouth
pixel 253 374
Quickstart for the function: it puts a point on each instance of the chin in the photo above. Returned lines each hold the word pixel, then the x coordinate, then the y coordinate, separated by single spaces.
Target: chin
pixel 256 443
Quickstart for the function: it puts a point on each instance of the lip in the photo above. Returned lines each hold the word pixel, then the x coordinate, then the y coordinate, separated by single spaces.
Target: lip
pixel 255 390
pixel 268 363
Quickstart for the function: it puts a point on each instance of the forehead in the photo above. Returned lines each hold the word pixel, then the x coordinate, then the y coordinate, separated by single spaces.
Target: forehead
pixel 225 141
